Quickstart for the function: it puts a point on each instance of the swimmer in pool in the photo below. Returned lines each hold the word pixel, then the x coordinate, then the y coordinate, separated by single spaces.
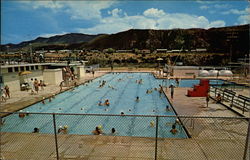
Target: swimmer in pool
pixel 107 102
pixel 167 108
pixel 152 124
pixel 100 103
pixel 97 131
pixel 36 130
pixel 43 100
pixel 173 130
pixel 137 99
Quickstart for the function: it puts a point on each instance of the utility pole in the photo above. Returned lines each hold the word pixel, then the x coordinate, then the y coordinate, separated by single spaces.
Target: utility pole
pixel 31 56
pixel 232 35
pixel 8 54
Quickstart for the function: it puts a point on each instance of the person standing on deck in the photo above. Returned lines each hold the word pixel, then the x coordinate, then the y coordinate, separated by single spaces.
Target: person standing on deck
pixel 172 90
pixel 207 99
pixel 7 91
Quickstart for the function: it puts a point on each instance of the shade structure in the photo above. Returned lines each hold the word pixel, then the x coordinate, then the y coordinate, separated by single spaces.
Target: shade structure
pixel 203 73
pixel 225 73
pixel 25 73
pixel 213 73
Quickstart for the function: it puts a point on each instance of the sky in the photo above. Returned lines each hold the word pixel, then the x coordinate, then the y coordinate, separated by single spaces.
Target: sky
pixel 23 20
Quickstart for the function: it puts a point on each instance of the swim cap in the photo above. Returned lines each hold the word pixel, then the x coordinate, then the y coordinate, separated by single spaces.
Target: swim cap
pixel 21 110
pixel 60 126
pixel 65 126
pixel 43 97
pixel 100 126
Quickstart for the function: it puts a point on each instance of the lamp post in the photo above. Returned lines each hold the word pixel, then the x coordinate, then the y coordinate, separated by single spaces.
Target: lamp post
pixel 8 54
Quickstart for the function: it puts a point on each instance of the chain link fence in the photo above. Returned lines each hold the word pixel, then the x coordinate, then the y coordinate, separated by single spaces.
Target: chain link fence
pixel 42 136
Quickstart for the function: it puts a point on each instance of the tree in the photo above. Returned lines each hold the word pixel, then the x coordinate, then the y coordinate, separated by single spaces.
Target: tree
pixel 110 50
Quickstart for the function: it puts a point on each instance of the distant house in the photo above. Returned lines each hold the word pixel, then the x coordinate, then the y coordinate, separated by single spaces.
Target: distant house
pixel 201 50
pixel 64 51
pixel 124 51
pixel 94 51
pixel 161 50
pixel 176 50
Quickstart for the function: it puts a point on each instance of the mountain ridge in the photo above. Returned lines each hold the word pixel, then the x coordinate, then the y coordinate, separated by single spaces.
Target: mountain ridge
pixel 218 40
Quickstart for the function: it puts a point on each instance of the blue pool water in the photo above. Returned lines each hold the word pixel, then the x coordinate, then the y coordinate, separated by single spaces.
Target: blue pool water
pixel 121 89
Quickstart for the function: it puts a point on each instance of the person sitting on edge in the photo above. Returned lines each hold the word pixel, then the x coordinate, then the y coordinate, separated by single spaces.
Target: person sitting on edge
pixel 43 100
pixel 21 115
pixel 218 98
pixel 36 130
pixel 97 131
pixel 63 129
pixel 173 130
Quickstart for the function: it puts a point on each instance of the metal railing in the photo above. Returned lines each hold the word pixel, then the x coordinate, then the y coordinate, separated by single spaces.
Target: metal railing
pixel 75 136
pixel 231 99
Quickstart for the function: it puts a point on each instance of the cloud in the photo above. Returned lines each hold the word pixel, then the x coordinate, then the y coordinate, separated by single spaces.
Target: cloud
pixel 47 35
pixel 153 12
pixel 150 19
pixel 204 7
pixel 86 10
pixel 244 19
pixel 115 12
pixel 205 1
pixel 221 6
pixel 237 12
pixel 218 23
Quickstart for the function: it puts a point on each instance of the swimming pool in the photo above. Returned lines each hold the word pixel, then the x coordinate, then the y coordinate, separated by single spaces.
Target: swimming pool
pixel 121 90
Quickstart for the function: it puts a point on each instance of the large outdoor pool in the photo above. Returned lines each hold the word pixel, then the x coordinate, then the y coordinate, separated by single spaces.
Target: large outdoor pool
pixel 121 90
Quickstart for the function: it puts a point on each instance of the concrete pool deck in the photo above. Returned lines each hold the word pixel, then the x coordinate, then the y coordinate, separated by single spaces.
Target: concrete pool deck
pixel 211 138
pixel 21 99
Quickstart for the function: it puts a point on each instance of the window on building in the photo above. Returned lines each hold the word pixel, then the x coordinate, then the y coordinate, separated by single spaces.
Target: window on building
pixel 36 67
pixel 22 68
pixel 16 69
pixel 10 69
pixel 27 68
pixel 32 67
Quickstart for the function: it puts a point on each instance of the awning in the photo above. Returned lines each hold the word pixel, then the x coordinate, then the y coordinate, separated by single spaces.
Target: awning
pixel 25 73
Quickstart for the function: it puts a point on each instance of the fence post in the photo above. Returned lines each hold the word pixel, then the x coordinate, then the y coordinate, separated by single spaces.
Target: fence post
pixel 247 141
pixel 156 137
pixel 55 132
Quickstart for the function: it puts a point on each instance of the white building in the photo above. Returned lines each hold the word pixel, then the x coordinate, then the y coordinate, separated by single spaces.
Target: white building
pixel 15 75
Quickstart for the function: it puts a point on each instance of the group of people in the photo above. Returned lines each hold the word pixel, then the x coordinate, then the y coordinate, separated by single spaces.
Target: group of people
pixel 139 81
pixel 98 131
pixel 50 98
pixel 102 83
pixel 34 85
pixel 5 93
pixel 106 103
